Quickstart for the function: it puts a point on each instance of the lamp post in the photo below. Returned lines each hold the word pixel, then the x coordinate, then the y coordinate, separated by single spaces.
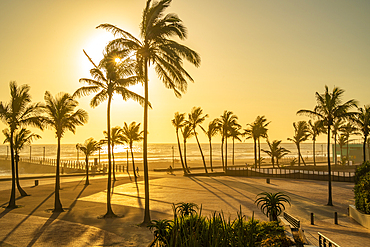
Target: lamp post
pixel 173 158
pixel 30 152
pixel 43 159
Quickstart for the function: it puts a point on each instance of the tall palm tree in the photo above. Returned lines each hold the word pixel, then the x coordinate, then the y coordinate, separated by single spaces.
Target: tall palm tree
pixel 187 132
pixel 60 115
pixel 261 123
pixel 110 78
pixel 179 122
pixel 348 130
pixel 362 121
pixel 337 125
pixel 315 129
pixel 213 129
pixel 329 108
pixel 115 135
pixel 22 138
pixel 156 48
pixel 252 133
pixel 342 140
pixel 235 133
pixel 301 134
pixel 227 119
pixel 276 151
pixel 18 112
pixel 130 134
pixel 89 147
pixel 196 118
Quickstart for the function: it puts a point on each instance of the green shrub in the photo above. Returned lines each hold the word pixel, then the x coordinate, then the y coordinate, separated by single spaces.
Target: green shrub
pixel 362 194
pixel 197 230
pixel 361 171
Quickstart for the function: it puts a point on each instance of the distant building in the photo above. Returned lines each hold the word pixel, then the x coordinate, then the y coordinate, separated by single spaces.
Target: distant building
pixel 355 153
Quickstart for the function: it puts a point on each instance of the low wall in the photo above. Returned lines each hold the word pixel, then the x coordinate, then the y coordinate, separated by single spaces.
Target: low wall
pixel 32 168
pixel 363 219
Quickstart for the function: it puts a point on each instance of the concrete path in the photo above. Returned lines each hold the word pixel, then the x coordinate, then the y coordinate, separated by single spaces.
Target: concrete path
pixel 33 224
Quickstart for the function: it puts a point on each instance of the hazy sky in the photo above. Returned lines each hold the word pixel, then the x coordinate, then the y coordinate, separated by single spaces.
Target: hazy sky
pixel 258 58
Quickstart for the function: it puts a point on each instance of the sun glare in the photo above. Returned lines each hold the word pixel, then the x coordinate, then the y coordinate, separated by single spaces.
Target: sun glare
pixel 117 60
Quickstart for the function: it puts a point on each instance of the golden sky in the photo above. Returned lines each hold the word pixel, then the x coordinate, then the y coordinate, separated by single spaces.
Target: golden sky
pixel 258 58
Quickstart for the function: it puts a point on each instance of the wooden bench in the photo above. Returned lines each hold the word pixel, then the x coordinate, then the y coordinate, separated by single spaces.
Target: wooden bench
pixel 294 228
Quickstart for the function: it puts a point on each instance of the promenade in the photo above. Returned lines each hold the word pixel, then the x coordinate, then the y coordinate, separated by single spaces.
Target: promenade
pixel 33 223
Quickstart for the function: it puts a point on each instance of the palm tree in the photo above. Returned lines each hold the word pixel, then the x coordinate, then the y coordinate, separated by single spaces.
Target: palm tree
pixel 61 116
pixel 362 121
pixel 227 119
pixel 166 55
pixel 110 79
pixel 89 147
pixel 337 125
pixel 342 140
pixel 22 138
pixel 186 208
pixel 329 108
pixel 18 112
pixel 275 151
pixel 179 122
pixel 315 129
pixel 213 129
pixel 130 133
pixel 348 129
pixel 186 134
pixel 301 134
pixel 252 133
pixel 262 133
pixel 114 139
pixel 235 133
pixel 195 119
pixel 272 204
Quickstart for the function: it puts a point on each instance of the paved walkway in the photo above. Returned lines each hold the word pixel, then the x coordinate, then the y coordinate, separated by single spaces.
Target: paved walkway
pixel 33 224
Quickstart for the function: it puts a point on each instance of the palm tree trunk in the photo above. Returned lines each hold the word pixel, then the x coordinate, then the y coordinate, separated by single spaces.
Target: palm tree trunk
pixel 145 145
pixel 233 150
pixel 314 153
pixel 299 154
pixel 21 191
pixel 201 152
pixel 133 163
pixel 259 153
pixel 330 202
pixel 210 153
pixel 87 170
pixel 109 213
pixel 178 144
pixel 364 148
pixel 186 163
pixel 347 150
pixel 113 166
pixel 57 204
pixel 225 153
pixel 335 149
pixel 12 193
pixel 255 152
pixel 222 152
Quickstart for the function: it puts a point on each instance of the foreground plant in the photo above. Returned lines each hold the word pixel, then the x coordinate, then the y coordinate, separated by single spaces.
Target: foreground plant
pixel 272 204
pixel 196 230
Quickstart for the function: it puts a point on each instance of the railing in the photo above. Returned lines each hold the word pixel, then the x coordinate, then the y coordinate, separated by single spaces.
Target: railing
pixel 292 220
pixel 72 164
pixel 326 242
pixel 340 176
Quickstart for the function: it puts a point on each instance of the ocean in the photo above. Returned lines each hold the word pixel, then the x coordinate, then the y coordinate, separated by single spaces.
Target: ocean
pixel 161 152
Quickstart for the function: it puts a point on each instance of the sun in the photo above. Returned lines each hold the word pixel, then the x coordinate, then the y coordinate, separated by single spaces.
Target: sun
pixel 117 60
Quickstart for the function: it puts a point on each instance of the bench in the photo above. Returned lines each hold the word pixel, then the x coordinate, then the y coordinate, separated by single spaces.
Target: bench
pixel 294 226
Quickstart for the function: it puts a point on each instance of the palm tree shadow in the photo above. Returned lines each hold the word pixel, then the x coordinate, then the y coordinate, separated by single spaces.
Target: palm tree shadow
pixel 6 210
pixel 138 195
pixel 73 204
pixel 43 228
pixel 20 223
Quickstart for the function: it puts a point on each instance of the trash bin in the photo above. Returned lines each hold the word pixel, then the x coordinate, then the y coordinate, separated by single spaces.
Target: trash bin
pixel 267 180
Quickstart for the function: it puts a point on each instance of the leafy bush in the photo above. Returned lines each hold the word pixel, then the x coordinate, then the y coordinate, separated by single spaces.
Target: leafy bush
pixel 362 188
pixel 361 171
pixel 197 230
